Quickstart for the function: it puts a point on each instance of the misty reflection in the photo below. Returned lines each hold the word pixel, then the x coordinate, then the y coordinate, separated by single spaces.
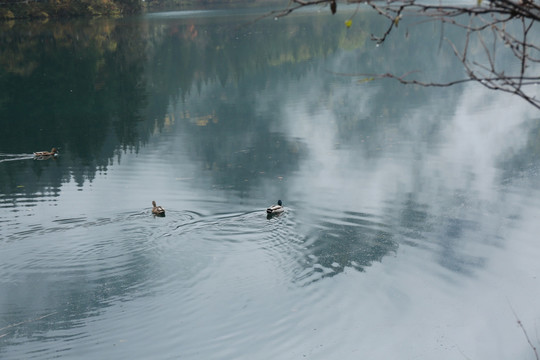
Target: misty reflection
pixel 252 104
pixel 69 308
pixel 207 117
pixel 236 145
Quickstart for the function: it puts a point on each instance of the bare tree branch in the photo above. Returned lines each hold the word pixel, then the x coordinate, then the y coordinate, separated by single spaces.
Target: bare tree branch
pixel 520 324
pixel 499 17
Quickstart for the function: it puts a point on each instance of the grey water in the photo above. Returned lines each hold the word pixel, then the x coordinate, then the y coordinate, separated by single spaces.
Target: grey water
pixel 411 216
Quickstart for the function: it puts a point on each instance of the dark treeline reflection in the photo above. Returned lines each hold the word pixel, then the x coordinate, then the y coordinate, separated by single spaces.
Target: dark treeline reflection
pixel 97 89
pixel 75 86
pixel 216 70
pixel 197 51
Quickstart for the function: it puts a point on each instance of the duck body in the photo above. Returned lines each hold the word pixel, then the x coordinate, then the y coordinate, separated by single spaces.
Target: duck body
pixel 53 152
pixel 157 210
pixel 275 209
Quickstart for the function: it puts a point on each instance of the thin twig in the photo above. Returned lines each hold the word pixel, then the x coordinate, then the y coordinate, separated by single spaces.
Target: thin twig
pixel 26 321
pixel 493 17
pixel 524 332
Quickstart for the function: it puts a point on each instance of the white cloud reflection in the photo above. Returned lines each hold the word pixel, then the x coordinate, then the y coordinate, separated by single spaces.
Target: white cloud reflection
pixel 418 304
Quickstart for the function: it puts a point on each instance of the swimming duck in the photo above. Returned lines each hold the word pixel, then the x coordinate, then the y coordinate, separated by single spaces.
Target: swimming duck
pixel 157 210
pixel 53 152
pixel 275 209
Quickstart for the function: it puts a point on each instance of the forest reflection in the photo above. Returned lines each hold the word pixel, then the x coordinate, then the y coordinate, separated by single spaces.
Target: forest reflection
pixel 77 86
pixel 98 88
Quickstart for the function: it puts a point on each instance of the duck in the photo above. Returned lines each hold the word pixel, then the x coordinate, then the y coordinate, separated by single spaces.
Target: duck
pixel 275 209
pixel 53 152
pixel 157 210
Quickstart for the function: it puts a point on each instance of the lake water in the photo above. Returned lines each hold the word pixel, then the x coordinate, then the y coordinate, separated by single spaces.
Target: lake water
pixel 412 214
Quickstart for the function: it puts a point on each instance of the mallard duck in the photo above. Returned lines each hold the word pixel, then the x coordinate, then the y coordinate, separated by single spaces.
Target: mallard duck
pixel 53 152
pixel 157 210
pixel 275 209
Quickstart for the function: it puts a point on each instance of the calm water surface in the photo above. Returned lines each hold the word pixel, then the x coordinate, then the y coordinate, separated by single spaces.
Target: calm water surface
pixel 412 214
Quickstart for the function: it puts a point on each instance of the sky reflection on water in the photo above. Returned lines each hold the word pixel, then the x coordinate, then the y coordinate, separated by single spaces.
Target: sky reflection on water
pixel 410 229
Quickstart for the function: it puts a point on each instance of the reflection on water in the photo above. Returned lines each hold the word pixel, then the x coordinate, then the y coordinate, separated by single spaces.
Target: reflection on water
pixel 410 213
pixel 344 240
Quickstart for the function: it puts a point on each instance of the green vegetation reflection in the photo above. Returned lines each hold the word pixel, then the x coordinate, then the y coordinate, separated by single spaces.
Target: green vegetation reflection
pixel 98 88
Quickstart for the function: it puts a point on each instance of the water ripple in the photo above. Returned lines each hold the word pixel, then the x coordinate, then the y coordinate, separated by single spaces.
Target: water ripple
pixel 339 240
pixel 82 266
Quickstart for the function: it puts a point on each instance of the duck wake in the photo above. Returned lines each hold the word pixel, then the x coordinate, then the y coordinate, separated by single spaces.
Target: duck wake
pixel 15 157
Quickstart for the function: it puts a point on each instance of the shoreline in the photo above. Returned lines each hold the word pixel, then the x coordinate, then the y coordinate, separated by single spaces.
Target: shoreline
pixel 26 10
